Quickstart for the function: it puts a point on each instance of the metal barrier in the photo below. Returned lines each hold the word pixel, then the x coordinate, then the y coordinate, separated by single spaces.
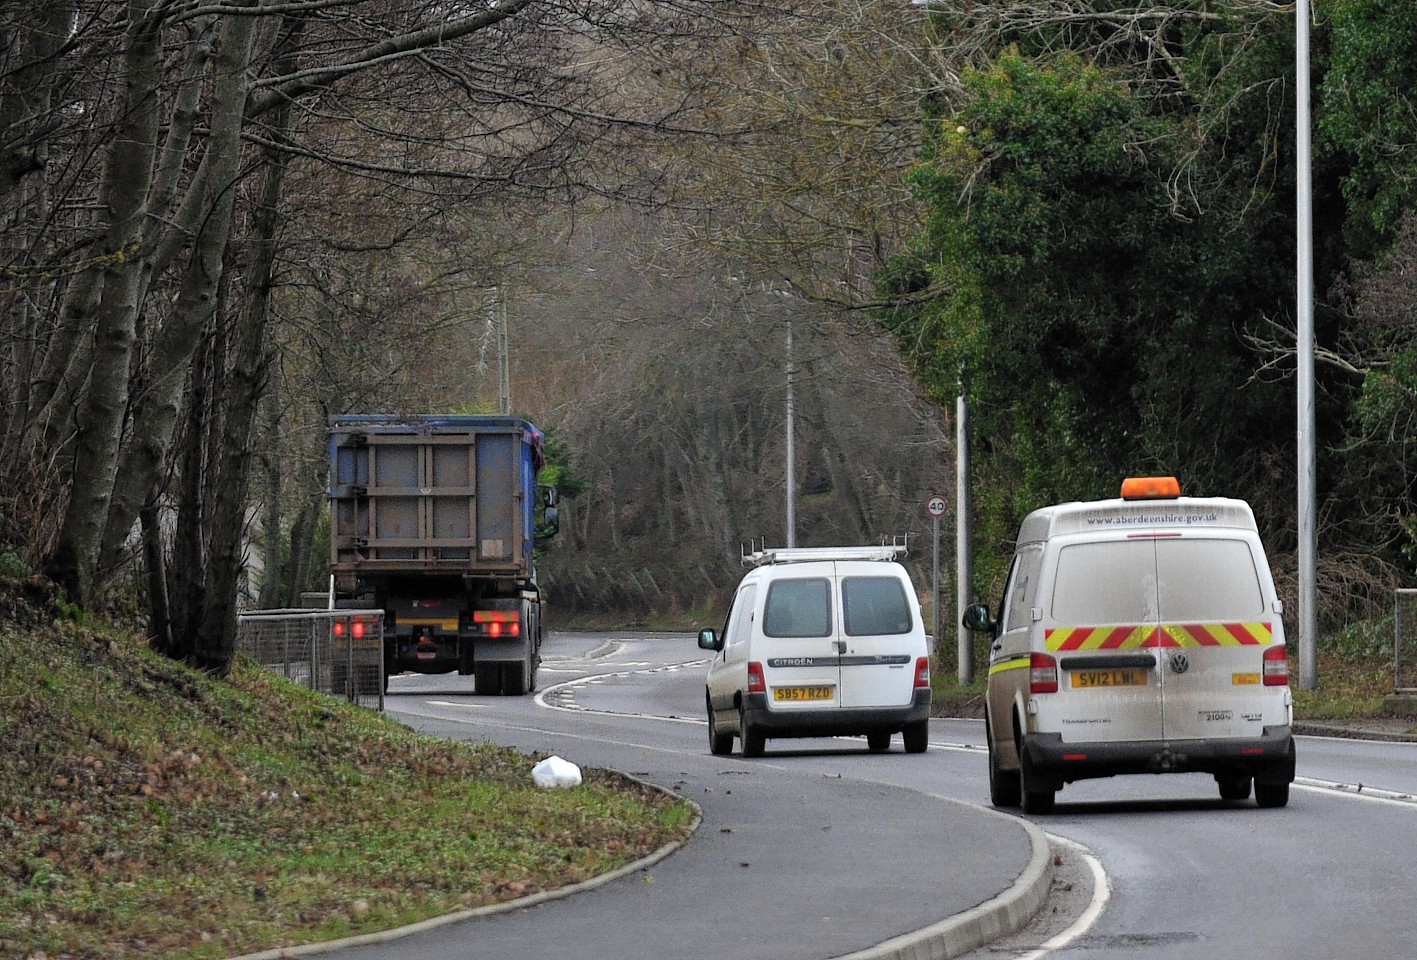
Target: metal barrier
pixel 338 652
pixel 1404 644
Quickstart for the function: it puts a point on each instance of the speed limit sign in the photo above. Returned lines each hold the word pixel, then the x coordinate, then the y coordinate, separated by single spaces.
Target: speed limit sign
pixel 935 506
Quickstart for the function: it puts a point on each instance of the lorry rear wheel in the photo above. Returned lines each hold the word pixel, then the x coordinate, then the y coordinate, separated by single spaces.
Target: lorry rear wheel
pixel 487 679
pixel 514 679
pixel 339 682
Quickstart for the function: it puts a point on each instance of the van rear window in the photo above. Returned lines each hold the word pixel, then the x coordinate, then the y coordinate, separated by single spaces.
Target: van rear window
pixel 873 606
pixel 1171 581
pixel 798 608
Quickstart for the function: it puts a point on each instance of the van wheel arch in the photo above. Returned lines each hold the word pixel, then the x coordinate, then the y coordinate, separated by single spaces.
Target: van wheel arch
pixel 1003 784
pixel 720 742
pixel 752 738
pixel 1035 800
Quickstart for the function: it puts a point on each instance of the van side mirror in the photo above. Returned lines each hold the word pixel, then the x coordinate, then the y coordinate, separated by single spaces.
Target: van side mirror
pixel 550 523
pixel 710 640
pixel 976 617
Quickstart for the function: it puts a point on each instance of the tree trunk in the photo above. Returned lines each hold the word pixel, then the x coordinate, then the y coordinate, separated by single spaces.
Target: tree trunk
pixel 208 223
pixel 216 637
pixel 274 559
pixel 159 614
pixel 302 541
pixel 188 545
pixel 100 415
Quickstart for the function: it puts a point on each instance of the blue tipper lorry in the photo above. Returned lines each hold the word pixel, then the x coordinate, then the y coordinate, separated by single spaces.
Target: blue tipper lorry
pixel 433 520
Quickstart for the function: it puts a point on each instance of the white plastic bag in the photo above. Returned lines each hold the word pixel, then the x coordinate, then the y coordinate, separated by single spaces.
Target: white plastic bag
pixel 555 772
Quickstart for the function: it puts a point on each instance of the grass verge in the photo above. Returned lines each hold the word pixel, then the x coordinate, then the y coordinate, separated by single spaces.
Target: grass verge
pixel 150 810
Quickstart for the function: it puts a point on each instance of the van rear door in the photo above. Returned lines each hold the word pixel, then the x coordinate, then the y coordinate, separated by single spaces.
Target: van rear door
pixel 876 636
pixel 801 663
pixel 1214 631
pixel 1162 637
pixel 1103 620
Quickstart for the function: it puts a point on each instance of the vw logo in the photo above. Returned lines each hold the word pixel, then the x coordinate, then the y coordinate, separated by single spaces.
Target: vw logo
pixel 1179 663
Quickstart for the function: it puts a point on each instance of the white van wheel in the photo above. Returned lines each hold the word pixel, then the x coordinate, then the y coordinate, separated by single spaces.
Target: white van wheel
pixel 878 742
pixel 720 743
pixel 1004 790
pixel 754 742
pixel 1271 794
pixel 1035 800
pixel 916 737
pixel 1234 787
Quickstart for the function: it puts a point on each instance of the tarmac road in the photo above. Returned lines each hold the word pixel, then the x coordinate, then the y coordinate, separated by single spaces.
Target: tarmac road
pixel 788 860
pixel 784 863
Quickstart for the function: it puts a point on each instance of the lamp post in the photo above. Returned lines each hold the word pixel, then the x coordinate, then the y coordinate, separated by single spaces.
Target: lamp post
pixel 1304 296
pixel 964 538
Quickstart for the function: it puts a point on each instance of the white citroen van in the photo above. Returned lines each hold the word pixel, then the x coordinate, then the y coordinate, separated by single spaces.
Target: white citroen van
pixel 1138 635
pixel 820 641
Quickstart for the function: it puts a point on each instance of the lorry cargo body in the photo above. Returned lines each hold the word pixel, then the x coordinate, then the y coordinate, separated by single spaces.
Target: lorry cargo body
pixel 434 521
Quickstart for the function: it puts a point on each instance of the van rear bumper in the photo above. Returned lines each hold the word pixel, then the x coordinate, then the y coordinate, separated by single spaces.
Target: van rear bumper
pixel 1268 758
pixel 833 721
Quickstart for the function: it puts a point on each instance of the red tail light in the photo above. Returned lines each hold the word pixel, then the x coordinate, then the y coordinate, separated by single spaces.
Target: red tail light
pixel 339 628
pixel 1276 667
pixel 357 628
pixel 1042 674
pixel 498 623
pixel 756 684
pixel 922 673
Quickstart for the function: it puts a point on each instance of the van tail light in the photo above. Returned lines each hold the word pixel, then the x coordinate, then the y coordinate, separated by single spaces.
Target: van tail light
pixel 1042 674
pixel 755 678
pixel 922 673
pixel 1276 667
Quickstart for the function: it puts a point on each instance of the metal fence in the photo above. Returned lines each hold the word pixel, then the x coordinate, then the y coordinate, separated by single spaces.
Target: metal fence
pixel 339 652
pixel 1404 644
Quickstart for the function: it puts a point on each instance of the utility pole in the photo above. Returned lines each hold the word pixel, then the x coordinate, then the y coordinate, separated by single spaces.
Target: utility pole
pixel 791 446
pixel 504 378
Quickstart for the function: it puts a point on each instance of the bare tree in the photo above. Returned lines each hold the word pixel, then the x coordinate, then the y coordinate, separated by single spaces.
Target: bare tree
pixel 425 108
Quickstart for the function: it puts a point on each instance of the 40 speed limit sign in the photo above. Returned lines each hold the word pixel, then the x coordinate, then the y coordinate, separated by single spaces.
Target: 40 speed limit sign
pixel 935 506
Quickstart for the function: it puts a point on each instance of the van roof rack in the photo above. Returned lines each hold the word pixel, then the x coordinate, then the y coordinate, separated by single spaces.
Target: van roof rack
pixel 755 554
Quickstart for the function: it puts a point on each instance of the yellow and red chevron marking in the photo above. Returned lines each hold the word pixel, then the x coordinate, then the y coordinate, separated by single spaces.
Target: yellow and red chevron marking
pixel 1132 637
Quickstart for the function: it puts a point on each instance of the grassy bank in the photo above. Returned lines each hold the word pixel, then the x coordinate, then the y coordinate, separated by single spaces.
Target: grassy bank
pixel 152 811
